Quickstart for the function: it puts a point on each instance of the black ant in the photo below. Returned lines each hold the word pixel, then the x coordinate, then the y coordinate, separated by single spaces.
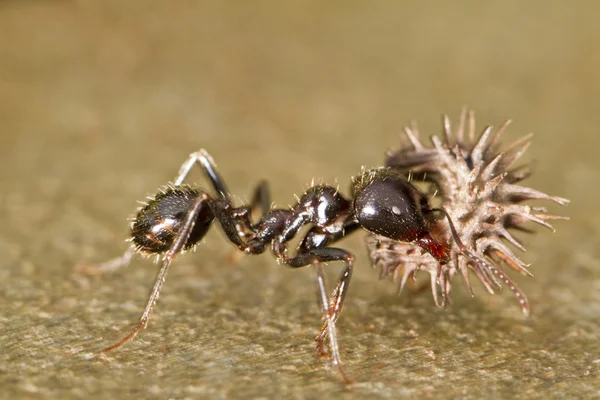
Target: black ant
pixel 383 202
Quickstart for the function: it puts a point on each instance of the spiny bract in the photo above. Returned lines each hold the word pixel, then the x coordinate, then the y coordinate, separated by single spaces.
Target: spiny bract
pixel 478 189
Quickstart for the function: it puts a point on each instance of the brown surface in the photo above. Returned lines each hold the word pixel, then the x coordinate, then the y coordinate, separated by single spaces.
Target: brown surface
pixel 100 103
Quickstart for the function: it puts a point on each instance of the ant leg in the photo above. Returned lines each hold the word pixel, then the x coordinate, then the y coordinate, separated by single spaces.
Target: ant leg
pixel 108 266
pixel 261 198
pixel 333 306
pixel 178 243
pixel 234 221
pixel 327 312
pixel 259 206
pixel 335 302
pixel 261 201
pixel 207 163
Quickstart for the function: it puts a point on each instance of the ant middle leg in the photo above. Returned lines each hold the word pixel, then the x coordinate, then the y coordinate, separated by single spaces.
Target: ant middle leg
pixel 247 216
pixel 259 205
pixel 261 199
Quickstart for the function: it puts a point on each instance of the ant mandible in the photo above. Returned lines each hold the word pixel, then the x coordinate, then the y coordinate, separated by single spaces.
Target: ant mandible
pixel 383 202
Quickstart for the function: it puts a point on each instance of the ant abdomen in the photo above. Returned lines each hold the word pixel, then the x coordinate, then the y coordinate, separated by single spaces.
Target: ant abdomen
pixel 157 223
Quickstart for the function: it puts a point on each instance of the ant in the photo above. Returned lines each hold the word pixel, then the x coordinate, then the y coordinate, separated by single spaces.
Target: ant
pixel 383 202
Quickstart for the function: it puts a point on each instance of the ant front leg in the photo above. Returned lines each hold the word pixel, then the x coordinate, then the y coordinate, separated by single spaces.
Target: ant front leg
pixel 317 237
pixel 330 321
pixel 331 306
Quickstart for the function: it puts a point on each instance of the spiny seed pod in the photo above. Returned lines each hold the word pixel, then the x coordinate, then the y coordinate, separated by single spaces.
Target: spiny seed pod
pixel 478 187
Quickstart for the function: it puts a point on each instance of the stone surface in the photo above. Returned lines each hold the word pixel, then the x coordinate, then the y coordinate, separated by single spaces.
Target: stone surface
pixel 100 102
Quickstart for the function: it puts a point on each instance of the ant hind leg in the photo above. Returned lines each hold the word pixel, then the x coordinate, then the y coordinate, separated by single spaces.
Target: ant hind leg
pixel 208 165
pixel 176 247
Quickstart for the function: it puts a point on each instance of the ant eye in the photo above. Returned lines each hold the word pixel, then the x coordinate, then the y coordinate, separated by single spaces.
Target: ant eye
pixel 386 204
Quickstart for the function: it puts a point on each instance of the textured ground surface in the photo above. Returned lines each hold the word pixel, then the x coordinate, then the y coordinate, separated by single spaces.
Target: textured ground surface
pixel 100 103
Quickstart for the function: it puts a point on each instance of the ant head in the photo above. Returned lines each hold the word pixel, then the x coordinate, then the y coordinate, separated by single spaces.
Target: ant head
pixel 387 204
pixel 158 221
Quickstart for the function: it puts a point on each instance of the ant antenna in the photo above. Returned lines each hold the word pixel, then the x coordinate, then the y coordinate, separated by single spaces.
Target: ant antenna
pixel 455 236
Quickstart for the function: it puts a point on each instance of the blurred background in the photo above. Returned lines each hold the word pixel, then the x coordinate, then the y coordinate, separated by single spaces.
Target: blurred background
pixel 100 103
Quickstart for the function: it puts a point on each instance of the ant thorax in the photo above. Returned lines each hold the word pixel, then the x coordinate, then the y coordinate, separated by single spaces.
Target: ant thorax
pixel 479 193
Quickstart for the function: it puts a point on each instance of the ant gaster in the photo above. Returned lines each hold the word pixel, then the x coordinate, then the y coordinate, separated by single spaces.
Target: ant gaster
pixel 383 202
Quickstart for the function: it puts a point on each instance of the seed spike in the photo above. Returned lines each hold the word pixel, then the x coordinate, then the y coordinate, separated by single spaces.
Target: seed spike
pixel 506 235
pixel 413 137
pixel 492 184
pixel 442 151
pixel 480 147
pixel 514 155
pixel 447 129
pixel 460 130
pixel 484 279
pixel 480 187
pixel 460 158
pixel 471 120
pixel 405 276
pixel 489 170
pixel 513 262
pixel 538 220
pixel 464 270
pixel 494 139
pixel 474 174
pixel 518 192
pixel 434 290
